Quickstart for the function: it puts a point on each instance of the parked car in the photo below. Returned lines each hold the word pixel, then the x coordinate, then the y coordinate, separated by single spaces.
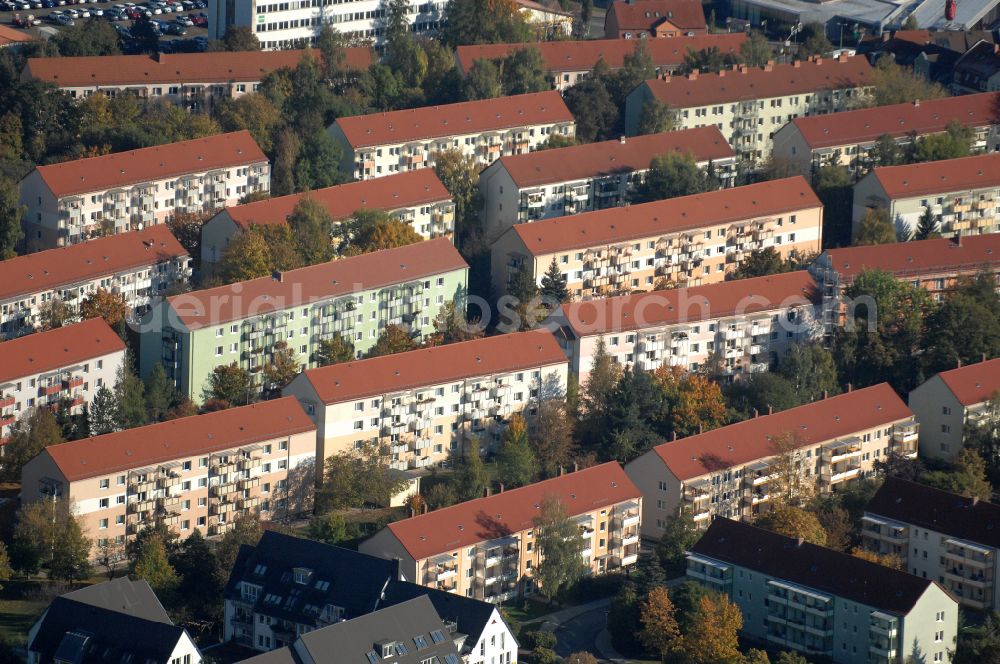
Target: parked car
pixel 199 21
pixel 64 20
pixel 25 21
pixel 184 20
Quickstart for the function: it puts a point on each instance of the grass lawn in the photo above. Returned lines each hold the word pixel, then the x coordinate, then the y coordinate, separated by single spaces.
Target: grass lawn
pixel 17 616
pixel 528 611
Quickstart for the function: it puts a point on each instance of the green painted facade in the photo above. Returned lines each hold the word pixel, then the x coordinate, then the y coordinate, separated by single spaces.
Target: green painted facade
pixel 190 356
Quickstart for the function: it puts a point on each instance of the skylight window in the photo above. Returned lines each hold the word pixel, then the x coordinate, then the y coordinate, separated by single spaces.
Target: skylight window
pixel 420 642
pixel 437 636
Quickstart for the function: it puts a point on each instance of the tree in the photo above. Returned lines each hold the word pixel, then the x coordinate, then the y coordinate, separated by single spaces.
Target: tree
pixel 789 484
pixel 246 530
pixel 71 548
pixel 814 41
pixel 451 326
pixel 335 350
pixel 596 113
pixel 965 327
pixel 580 657
pixel 553 288
pixel 229 383
pixel 484 22
pixel 87 38
pixel 695 403
pixel 102 415
pixel 471 478
pixel 885 559
pixel 516 462
pixel 281 369
pixel 793 522
pixel 371 230
pixel 240 38
pixel 927 226
pixel 759 263
pixel 967 476
pixel 660 632
pixel 393 339
pixel 482 81
pixel 624 616
pixel 54 313
pixel 708 60
pixel 357 477
pixel 258 251
pixel 160 393
pixel 253 112
pixel 144 35
pixel 110 555
pixel 523 72
pixel 671 175
pixel 328 528
pixel 712 635
pixel 680 533
pixel 6 571
pixel 875 227
pixel 460 176
pixel 560 546
pixel 47 533
pixel 152 565
pixel 130 398
pixel 635 405
pixel 954 142
pixel 756 50
pixel 595 397
pixel 790 657
pixel 900 85
pixel 885 152
pixel 551 435
pixel 833 184
pixel 312 226
pixel 655 118
pixel 198 569
pixel 101 304
pixel 29 435
pixel 811 370
pixel 11 212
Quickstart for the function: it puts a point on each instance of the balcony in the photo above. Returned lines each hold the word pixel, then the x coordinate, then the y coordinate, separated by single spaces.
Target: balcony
pixel 6 401
pixel 50 390
pixel 248 483
pixel 842 450
pixel 250 503
pixel 7 420
pixel 219 490
pixel 905 433
pixel 968 554
pixel 70 383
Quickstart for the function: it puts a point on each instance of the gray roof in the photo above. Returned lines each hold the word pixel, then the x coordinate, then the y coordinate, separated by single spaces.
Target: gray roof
pixel 413 629
pixel 471 616
pixel 280 656
pixel 120 621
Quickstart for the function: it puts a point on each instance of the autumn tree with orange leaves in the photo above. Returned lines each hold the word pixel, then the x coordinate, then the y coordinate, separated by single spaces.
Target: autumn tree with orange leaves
pixel 695 403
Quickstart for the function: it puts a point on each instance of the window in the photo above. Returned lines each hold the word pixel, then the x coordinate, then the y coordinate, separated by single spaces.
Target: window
pixel 104 503
pixel 105 483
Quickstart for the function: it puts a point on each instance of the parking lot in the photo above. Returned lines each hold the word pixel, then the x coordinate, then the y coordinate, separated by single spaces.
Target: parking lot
pixel 117 13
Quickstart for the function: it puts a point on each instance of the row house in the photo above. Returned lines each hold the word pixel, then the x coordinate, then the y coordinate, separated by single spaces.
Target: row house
pixel 63 367
pixel 795 595
pixel 935 265
pixel 334 584
pixel 742 326
pixel 592 176
pixel 431 404
pixel 192 80
pixel 546 21
pixel 291 23
pixel 963 195
pixel 978 70
pixel 938 535
pixel 352 298
pixel 750 104
pixel 952 403
pixel 641 19
pixel 732 471
pixel 485 548
pixel 415 197
pixel 848 138
pixel 141 266
pixel 194 473
pixel 74 201
pixel 383 143
pixel 688 241
pixel 567 62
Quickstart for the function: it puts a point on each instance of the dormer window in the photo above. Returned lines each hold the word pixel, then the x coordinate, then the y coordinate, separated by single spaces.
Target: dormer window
pixel 302 575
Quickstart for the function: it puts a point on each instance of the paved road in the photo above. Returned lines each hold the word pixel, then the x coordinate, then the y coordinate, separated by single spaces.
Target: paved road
pixel 579 634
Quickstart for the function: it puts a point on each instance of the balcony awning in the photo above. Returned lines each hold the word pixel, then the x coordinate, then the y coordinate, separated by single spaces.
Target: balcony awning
pixel 800 590
pixel 970 546
pixel 888 617
pixel 630 505
pixel 443 559
pixel 711 562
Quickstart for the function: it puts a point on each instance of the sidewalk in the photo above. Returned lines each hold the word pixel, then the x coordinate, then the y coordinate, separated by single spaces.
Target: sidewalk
pixel 602 642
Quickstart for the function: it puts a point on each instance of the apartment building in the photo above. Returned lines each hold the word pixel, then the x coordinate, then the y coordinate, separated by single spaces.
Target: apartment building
pixel 432 403
pixel 939 536
pixel 750 104
pixel 821 602
pixel 952 402
pixel 354 298
pixel 566 63
pixel 731 471
pixel 139 265
pixel 466 550
pixel 66 365
pixel 592 176
pixel 847 138
pixel 383 143
pixel 415 197
pixel 744 326
pixel 283 25
pixel 547 21
pixel 194 473
pixel 116 621
pixel 687 241
pixel 73 201
pixel 639 19
pixel 978 70
pixel 962 194
pixel 192 80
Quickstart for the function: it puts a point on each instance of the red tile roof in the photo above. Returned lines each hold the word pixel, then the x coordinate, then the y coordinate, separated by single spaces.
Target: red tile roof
pixel 392 192
pixel 868 124
pixel 618 156
pixel 689 305
pixel 816 422
pixel 122 169
pixel 62 347
pixel 673 215
pixel 560 56
pixel 255 297
pixel 971 384
pixel 431 366
pixel 645 14
pixel 221 67
pixel 176 439
pixel 940 176
pixel 919 257
pixel 745 83
pixel 56 268
pixel 503 514
pixel 469 117
pixel 10 36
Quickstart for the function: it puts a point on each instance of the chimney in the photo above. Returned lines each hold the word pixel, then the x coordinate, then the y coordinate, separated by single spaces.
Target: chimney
pixel 957 240
pixel 975 500
pixel 797 64
pixel 769 67
pixel 722 73
pixel 849 388
pixel 413 512
pixel 562 471
pixel 755 413
pixel 916 103
pixel 842 57
pixel 701 427
pixel 158 57
pixel 770 409
pixel 621 139
pixel 886 36
pixel 666 78
pixel 500 488
pixel 799 541
pixel 819 60
pixel 996 48
pixel 693 76
pixel 277 275
pixel 486 492
pixel 825 395
pixel 674 435
pixel 958 363
pixel 983 358
pixel 576 466
pixel 423 508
